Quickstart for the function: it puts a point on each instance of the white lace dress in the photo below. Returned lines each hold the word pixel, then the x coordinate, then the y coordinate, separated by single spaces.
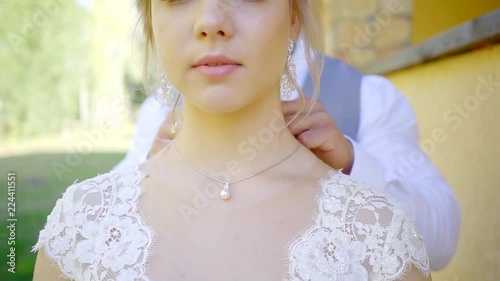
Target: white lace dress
pixel 96 233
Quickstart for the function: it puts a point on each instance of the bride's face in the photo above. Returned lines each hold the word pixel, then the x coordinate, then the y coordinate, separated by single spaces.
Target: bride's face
pixel 223 54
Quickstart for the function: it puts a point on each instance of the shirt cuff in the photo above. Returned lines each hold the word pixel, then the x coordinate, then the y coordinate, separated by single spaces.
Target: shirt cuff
pixel 366 169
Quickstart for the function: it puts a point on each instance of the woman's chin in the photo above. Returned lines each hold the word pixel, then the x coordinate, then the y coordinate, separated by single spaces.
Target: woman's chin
pixel 220 107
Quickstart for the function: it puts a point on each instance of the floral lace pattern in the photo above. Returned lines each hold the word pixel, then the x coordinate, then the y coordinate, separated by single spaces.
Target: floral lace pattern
pixel 95 233
pixel 357 236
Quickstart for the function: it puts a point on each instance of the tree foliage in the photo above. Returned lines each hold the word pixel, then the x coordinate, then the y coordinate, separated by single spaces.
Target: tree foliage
pixel 43 56
pixel 53 50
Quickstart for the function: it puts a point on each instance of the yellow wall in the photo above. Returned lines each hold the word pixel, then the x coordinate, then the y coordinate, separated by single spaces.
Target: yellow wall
pixel 434 16
pixel 469 157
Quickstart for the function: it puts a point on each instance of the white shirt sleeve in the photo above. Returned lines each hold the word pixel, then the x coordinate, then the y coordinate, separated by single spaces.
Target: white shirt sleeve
pixel 388 157
pixel 151 116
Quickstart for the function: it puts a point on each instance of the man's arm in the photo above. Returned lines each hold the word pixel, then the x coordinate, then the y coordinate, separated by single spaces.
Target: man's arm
pixel 387 138
pixel 388 157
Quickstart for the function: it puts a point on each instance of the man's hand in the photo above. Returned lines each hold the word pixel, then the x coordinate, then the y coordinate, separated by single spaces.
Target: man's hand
pixel 317 131
pixel 164 135
pixel 320 134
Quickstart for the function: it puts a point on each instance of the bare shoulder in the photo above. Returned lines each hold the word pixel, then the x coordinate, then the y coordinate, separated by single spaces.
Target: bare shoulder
pixel 45 269
pixel 82 204
pixel 372 233
pixel 382 225
pixel 414 274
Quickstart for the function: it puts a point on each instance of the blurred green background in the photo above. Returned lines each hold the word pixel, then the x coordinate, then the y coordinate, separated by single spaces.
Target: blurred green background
pixel 70 87
pixel 38 188
pixel 64 62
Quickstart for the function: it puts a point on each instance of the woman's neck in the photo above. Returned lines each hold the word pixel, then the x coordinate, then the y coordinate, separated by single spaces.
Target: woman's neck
pixel 248 140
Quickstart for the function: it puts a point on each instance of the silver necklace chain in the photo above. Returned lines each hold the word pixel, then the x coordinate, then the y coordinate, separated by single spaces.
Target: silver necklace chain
pixel 225 193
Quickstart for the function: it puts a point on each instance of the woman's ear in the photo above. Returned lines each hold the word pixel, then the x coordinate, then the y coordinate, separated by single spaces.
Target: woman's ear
pixel 295 26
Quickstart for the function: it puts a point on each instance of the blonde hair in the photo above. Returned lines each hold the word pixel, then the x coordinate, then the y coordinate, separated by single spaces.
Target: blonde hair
pixel 310 32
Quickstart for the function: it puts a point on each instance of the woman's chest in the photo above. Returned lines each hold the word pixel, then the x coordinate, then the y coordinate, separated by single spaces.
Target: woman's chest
pixel 221 253
pixel 223 243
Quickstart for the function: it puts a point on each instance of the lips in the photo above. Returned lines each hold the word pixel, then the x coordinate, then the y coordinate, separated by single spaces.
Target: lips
pixel 216 60
pixel 216 66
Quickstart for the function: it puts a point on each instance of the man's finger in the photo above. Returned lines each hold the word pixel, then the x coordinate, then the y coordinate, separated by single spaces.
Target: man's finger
pixel 313 138
pixel 301 124
pixel 165 131
pixel 291 107
pixel 164 135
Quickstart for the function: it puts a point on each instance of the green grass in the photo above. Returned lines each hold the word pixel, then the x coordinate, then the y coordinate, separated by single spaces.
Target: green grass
pixel 38 186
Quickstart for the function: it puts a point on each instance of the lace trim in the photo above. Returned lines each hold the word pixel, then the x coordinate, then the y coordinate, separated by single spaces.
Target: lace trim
pixel 95 231
pixel 357 235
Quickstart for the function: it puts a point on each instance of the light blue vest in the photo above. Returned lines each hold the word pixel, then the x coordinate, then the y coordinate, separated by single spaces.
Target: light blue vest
pixel 340 94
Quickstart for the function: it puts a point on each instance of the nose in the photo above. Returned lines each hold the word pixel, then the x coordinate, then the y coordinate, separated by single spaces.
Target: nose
pixel 215 19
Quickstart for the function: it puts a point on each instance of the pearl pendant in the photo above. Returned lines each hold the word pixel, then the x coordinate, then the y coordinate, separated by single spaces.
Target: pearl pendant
pixel 225 194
